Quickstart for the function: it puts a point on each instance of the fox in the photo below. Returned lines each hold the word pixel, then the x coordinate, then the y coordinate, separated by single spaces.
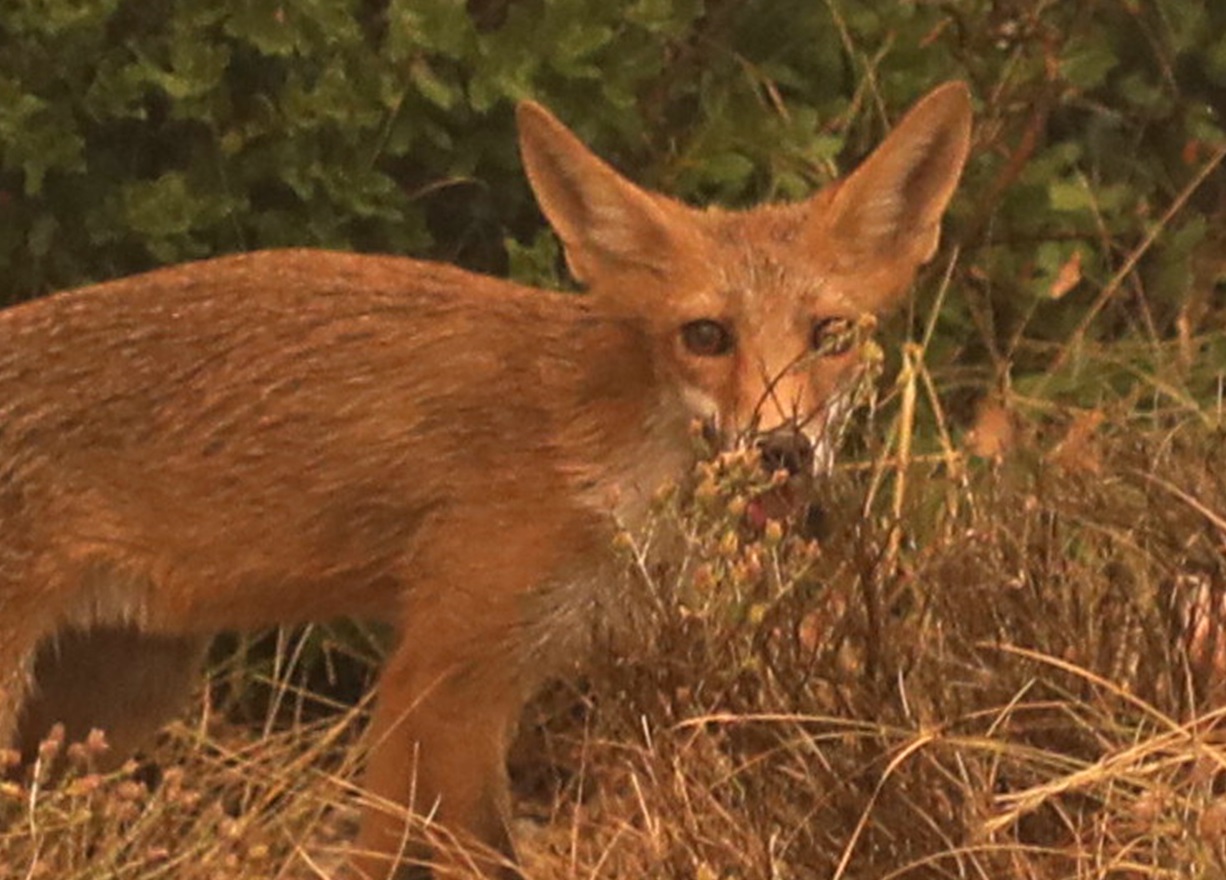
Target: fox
pixel 292 436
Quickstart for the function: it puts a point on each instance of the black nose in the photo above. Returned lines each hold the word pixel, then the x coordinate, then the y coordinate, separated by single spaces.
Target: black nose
pixel 786 449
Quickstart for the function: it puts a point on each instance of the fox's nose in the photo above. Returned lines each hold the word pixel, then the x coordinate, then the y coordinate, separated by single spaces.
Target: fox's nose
pixel 786 449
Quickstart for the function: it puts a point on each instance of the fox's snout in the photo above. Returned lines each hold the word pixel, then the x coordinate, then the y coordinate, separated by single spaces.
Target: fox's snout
pixel 795 419
pixel 786 449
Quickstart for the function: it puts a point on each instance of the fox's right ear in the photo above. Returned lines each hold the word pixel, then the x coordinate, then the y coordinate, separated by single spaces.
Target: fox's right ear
pixel 890 208
pixel 605 222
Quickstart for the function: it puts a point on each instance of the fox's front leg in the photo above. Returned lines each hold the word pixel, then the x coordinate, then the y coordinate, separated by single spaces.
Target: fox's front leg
pixel 447 703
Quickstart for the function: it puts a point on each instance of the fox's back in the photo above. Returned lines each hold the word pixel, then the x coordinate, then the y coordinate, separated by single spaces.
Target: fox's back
pixel 303 414
pixel 158 356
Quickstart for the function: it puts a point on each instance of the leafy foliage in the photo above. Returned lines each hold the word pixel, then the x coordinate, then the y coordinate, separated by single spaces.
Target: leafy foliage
pixel 138 133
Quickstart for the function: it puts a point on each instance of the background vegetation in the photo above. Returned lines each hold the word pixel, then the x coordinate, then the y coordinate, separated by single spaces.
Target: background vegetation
pixel 1002 661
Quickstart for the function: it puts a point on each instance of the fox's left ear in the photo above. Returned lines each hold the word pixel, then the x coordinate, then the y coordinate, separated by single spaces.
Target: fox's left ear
pixel 890 208
pixel 606 223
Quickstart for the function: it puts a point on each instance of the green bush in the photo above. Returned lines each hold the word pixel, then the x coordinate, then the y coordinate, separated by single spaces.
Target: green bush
pixel 140 132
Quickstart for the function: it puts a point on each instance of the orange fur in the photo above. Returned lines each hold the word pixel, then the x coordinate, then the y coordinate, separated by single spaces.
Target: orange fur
pixel 298 435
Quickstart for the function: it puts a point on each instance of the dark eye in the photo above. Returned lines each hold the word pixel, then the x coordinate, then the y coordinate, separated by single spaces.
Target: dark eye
pixel 832 336
pixel 706 338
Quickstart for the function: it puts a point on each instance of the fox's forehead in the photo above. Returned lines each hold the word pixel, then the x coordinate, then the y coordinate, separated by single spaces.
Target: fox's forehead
pixel 761 264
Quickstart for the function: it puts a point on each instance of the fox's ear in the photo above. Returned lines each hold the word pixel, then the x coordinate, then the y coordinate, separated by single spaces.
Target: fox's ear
pixel 890 207
pixel 605 222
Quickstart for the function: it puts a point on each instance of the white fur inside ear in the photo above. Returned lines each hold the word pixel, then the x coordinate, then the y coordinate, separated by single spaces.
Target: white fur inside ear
pixel 626 226
pixel 604 220
pixel 890 207
pixel 879 217
pixel 611 229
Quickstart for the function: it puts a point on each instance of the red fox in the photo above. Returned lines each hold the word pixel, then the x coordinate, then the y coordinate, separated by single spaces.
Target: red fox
pixel 297 435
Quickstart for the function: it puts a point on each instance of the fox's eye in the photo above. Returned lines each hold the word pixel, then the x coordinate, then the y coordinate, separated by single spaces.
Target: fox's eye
pixel 832 336
pixel 706 338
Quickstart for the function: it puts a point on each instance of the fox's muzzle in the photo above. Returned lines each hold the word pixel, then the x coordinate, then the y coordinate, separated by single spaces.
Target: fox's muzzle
pixel 786 449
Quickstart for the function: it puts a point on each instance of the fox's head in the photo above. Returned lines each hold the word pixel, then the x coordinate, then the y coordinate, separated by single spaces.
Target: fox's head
pixel 757 314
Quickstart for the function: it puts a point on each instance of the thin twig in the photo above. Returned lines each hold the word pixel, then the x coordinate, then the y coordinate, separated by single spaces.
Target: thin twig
pixel 1130 264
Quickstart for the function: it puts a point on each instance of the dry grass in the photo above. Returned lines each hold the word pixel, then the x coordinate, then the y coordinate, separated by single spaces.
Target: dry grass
pixel 1019 678
pixel 1019 687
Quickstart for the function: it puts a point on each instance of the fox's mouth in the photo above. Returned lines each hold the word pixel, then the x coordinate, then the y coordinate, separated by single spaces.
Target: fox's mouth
pixel 773 504
pixel 786 500
pixel 789 504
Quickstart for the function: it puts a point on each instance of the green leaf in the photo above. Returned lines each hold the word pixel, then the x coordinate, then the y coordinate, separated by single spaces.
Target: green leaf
pixel 433 88
pixel 1086 64
pixel 1069 196
pixel 266 26
pixel 441 26
pixel 727 168
pixel 159 208
pixel 37 137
